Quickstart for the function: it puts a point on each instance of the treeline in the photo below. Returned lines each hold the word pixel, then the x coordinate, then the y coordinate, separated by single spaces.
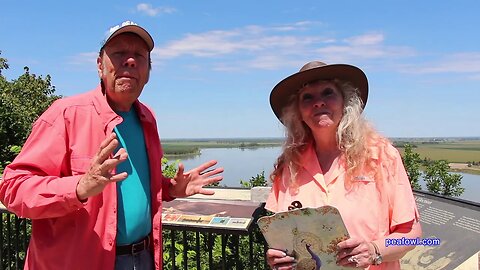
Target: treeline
pixel 180 150
pixel 21 102
pixel 436 174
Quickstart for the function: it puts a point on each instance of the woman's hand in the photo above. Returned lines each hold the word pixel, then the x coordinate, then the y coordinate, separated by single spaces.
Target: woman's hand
pixel 279 260
pixel 355 253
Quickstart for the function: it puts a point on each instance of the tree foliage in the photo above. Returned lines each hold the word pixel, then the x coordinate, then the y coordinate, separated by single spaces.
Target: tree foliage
pixel 22 100
pixel 412 162
pixel 169 169
pixel 440 181
pixel 436 174
pixel 255 181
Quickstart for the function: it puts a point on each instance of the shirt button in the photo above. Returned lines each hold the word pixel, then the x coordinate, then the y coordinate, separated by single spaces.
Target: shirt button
pixel 110 243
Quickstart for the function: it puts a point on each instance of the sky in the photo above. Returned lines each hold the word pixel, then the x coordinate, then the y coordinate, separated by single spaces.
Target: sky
pixel 215 62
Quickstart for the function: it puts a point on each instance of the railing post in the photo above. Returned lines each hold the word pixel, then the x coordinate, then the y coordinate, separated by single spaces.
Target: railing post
pixel 236 250
pixel 250 247
pixel 211 240
pixel 197 249
pixel 17 242
pixel 172 251
pixel 185 250
pixel 224 254
pixel 1 241
pixel 9 241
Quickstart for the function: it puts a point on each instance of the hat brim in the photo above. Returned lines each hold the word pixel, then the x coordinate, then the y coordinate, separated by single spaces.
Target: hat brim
pixel 280 95
pixel 142 33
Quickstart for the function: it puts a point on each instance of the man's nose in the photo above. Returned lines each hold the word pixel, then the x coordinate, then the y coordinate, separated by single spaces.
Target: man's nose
pixel 130 62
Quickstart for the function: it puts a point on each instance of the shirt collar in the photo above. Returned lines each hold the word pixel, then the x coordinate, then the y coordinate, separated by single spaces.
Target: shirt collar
pixel 107 113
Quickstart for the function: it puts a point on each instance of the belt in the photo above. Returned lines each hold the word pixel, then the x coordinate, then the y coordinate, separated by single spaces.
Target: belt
pixel 135 247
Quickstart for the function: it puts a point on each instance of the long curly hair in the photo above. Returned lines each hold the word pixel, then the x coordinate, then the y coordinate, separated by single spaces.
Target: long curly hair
pixel 353 133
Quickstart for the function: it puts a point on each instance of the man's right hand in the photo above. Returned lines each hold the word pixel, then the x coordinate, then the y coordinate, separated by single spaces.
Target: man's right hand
pixel 100 172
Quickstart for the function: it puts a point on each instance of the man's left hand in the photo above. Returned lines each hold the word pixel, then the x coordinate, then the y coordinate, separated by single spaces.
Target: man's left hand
pixel 189 183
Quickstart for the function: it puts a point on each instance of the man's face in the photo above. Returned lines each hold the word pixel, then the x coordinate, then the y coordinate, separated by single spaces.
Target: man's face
pixel 124 68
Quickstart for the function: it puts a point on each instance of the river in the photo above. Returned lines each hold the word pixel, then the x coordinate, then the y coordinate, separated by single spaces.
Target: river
pixel 242 164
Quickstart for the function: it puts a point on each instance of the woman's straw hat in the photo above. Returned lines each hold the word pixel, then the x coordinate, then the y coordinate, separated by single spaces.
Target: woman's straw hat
pixel 313 71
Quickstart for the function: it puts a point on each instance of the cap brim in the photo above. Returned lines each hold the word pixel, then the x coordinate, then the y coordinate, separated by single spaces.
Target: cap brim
pixel 136 30
pixel 280 95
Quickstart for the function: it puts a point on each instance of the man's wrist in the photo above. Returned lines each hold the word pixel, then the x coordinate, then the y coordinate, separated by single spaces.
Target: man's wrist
pixel 170 189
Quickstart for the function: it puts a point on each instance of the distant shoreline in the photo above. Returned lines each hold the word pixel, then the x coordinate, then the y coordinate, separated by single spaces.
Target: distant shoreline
pixel 464 168
pixel 408 139
pixel 459 152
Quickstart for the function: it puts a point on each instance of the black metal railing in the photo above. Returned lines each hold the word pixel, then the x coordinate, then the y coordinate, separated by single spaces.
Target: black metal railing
pixel 205 250
pixel 15 233
pixel 183 247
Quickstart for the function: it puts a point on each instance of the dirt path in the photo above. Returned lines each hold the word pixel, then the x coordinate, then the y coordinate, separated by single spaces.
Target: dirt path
pixel 463 167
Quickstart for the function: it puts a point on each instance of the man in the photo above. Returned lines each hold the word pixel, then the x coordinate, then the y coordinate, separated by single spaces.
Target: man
pixel 89 175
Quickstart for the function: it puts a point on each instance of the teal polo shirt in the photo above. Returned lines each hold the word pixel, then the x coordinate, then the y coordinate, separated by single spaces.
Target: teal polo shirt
pixel 133 193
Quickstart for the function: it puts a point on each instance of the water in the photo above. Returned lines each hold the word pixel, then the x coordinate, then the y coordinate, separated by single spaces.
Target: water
pixel 243 164
pixel 471 183
pixel 238 164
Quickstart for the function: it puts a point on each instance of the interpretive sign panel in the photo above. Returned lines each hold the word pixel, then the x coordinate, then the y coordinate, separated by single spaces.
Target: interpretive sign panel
pixel 451 233
pixel 226 215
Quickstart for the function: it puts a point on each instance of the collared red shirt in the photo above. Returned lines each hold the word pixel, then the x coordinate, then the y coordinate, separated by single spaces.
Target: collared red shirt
pixel 371 207
pixel 40 184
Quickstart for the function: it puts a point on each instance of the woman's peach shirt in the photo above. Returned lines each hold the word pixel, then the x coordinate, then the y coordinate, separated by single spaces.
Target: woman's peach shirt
pixel 376 202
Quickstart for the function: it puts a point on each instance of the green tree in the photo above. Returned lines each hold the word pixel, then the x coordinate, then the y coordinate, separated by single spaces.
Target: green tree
pixel 440 181
pixel 255 181
pixel 169 169
pixel 412 162
pixel 3 63
pixel 21 102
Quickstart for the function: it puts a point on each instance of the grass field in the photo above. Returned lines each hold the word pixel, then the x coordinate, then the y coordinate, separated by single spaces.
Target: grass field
pixel 458 153
pixel 452 151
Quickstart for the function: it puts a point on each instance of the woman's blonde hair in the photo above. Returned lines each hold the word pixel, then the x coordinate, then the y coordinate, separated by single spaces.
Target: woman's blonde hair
pixel 353 133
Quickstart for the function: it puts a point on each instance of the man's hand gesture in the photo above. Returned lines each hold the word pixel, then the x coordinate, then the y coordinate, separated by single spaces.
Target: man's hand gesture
pixel 185 184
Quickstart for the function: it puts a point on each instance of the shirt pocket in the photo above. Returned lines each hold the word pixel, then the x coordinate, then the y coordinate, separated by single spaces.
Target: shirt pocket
pixel 80 164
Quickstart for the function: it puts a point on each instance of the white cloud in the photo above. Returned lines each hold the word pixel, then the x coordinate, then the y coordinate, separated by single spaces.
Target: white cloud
pixel 367 39
pixel 151 11
pixel 369 46
pixel 291 45
pixel 84 59
pixel 455 63
pixel 248 40
pixel 261 47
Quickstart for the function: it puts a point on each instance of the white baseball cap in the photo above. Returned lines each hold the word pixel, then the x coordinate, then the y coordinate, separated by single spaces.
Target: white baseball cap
pixel 129 27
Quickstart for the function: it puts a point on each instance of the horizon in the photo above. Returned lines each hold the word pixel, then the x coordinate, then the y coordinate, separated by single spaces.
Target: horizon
pixel 214 67
pixel 474 138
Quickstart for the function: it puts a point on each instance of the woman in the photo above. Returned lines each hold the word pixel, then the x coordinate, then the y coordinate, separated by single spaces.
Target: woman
pixel 332 156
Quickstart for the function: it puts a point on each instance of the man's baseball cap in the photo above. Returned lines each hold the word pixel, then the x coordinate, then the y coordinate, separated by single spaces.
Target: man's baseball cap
pixel 129 27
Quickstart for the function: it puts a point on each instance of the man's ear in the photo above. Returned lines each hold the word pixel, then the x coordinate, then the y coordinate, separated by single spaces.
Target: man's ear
pixel 100 66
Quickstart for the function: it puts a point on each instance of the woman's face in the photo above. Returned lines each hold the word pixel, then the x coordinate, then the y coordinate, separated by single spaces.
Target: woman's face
pixel 321 105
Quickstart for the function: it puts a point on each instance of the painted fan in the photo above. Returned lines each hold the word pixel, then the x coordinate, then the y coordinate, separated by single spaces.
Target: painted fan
pixel 308 234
